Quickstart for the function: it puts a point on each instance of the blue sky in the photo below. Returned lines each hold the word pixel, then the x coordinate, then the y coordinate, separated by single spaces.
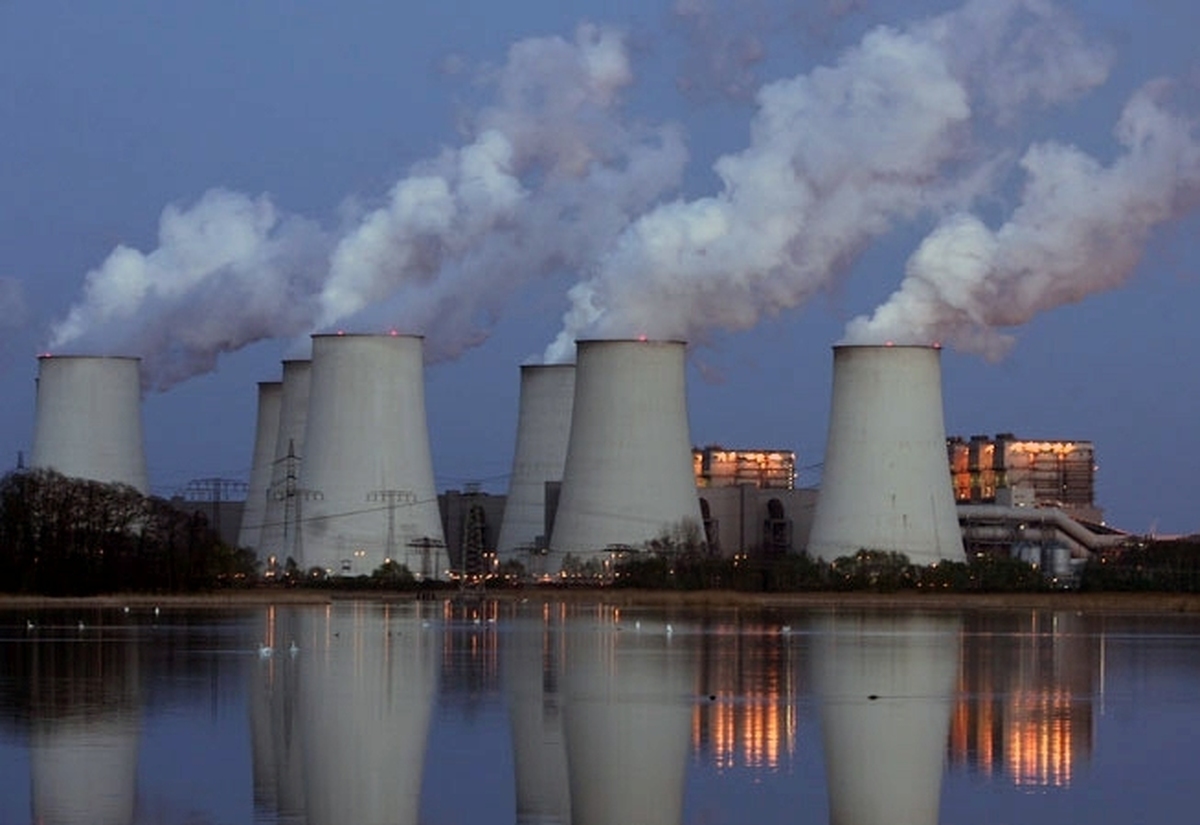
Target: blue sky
pixel 994 141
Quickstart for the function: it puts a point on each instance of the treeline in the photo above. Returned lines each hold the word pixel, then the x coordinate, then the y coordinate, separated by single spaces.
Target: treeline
pixel 64 536
pixel 868 570
pixel 1161 567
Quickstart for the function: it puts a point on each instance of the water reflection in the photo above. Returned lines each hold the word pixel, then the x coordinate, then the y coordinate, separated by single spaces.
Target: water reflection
pixel 627 719
pixel 349 693
pixel 84 722
pixel 885 684
pixel 1024 708
pixel 574 714
pixel 531 663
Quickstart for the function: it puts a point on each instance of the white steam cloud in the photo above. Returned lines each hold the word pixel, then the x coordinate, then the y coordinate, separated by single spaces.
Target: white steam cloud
pixel 550 173
pixel 1080 228
pixel 837 157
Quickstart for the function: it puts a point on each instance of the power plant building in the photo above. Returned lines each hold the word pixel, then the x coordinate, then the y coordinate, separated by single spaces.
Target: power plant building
pixel 716 466
pixel 1025 472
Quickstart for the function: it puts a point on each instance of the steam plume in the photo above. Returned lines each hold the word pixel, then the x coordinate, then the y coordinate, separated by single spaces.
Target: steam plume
pixel 837 157
pixel 548 175
pixel 1080 228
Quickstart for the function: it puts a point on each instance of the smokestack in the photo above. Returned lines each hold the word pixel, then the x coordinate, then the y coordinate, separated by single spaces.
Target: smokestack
pixel 628 476
pixel 543 431
pixel 282 501
pixel 886 482
pixel 266 433
pixel 366 482
pixel 88 422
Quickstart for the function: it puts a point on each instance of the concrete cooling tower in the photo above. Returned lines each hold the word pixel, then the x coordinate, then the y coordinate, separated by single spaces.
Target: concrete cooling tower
pixel 367 476
pixel 886 482
pixel 885 688
pixel 266 432
pixel 628 477
pixel 543 430
pixel 88 422
pixel 283 499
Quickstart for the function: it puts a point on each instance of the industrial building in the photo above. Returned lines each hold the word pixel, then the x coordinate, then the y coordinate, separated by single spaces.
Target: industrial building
pixel 1031 499
pixel 1028 473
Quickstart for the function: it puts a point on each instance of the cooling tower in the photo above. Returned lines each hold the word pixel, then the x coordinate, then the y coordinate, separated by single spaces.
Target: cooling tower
pixel 886 482
pixel 266 432
pixel 368 475
pixel 283 498
pixel 628 477
pixel 88 422
pixel 885 686
pixel 543 430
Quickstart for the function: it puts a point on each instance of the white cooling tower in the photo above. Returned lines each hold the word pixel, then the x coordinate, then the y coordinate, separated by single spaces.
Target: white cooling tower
pixel 543 430
pixel 886 481
pixel 266 432
pixel 368 474
pixel 628 477
pixel 284 499
pixel 88 422
pixel 885 686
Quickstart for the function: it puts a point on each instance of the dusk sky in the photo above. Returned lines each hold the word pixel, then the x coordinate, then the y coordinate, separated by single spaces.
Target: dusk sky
pixel 205 184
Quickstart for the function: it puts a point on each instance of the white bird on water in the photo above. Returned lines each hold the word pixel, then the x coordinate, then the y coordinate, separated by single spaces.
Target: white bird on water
pixel 265 651
pixel 293 648
pixel 29 625
pixel 670 629
pixel 81 624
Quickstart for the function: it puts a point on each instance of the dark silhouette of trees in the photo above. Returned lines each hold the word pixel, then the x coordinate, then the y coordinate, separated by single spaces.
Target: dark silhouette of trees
pixel 64 536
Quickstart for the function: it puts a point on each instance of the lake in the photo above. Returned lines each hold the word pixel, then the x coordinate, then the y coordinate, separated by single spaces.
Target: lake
pixel 542 711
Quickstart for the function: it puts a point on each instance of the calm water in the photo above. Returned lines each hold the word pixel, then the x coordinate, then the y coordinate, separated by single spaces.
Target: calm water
pixel 550 713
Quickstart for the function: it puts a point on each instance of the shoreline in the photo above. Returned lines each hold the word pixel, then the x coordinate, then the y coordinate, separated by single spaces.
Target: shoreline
pixel 1148 603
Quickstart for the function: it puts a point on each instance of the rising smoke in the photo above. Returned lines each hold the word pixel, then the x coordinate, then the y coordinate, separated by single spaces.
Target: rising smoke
pixel 550 173
pixel 553 176
pixel 837 157
pixel 1080 227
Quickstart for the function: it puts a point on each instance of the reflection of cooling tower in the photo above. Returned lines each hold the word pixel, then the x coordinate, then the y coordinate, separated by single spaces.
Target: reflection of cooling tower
pixel 543 429
pixel 284 499
pixel 266 432
pixel 88 422
pixel 886 482
pixel 366 689
pixel 532 663
pixel 885 686
pixel 85 728
pixel 85 770
pixel 275 737
pixel 628 712
pixel 628 476
pixel 368 472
